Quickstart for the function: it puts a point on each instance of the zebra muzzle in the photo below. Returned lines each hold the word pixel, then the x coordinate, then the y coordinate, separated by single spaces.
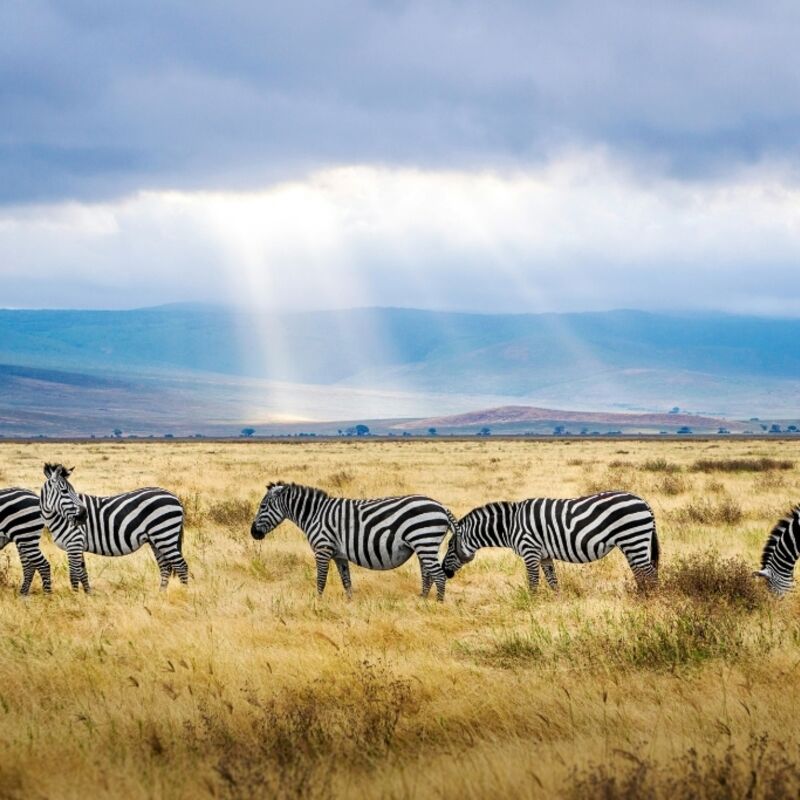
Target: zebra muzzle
pixel 256 533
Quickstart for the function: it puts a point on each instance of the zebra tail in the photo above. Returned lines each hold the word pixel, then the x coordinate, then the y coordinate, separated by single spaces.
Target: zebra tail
pixel 451 519
pixel 655 546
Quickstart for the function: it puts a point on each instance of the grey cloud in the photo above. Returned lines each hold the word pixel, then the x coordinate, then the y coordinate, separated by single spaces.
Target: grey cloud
pixel 100 100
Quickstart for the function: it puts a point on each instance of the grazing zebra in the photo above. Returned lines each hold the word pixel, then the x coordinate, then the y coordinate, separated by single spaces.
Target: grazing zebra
pixel 781 553
pixel 113 526
pixel 377 534
pixel 21 522
pixel 575 530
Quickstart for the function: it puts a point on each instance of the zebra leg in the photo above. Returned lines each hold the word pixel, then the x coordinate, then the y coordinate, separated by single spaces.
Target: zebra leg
pixel 166 544
pixel 33 559
pixel 550 573
pixel 43 566
pixel 181 568
pixel 164 568
pixel 644 571
pixel 427 580
pixel 430 566
pixel 344 574
pixel 323 559
pixel 77 570
pixel 532 561
pixel 28 569
pixel 85 576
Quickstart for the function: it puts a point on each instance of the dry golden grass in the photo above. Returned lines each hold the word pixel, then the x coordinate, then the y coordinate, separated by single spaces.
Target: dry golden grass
pixel 244 684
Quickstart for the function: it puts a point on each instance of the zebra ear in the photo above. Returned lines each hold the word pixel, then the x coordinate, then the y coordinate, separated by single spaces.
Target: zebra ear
pixel 48 470
pixel 760 574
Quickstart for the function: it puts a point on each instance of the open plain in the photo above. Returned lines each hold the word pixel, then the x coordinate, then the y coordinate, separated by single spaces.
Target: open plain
pixel 245 684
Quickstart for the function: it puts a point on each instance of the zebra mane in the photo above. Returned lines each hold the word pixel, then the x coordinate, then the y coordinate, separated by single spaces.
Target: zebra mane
pixel 776 534
pixel 59 469
pixel 301 486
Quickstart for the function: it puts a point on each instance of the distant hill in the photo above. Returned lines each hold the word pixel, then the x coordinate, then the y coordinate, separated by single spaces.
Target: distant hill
pixel 212 366
pixel 508 419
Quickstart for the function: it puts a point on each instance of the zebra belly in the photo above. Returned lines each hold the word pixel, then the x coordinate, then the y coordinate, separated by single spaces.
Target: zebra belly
pixel 113 545
pixel 598 551
pixel 378 552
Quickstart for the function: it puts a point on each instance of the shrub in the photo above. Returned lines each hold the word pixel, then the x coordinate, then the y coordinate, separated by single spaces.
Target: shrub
pixel 671 484
pixel 5 570
pixel 660 465
pixel 341 479
pixel 192 509
pixel 708 577
pixel 740 465
pixel 686 633
pixel 760 769
pixel 232 513
pixel 708 512
pixel 292 744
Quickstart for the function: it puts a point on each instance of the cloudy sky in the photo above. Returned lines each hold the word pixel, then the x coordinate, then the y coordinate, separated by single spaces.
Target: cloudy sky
pixel 480 156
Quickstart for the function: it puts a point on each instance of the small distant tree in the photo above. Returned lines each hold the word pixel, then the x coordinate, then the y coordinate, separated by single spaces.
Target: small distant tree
pixel 558 430
pixel 118 433
pixel 685 429
pixel 485 431
pixel 169 435
pixel 361 430
pixel 675 410
pixel 791 428
pixel 340 432
pixel 431 431
pixel 775 428
pixel 248 432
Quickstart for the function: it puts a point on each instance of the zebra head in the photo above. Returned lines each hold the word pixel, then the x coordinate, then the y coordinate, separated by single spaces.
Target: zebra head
pixel 458 553
pixel 59 498
pixel 780 554
pixel 271 512
pixel 777 583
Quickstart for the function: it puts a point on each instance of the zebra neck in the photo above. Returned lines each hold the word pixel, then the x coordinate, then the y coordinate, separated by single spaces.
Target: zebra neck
pixel 302 507
pixel 786 551
pixel 487 536
pixel 59 528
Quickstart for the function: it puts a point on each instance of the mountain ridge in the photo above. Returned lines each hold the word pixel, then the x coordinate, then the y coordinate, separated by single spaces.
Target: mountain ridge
pixel 382 363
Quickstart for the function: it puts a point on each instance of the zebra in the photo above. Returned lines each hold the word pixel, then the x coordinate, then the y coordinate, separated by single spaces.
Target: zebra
pixel 377 534
pixel 112 526
pixel 21 522
pixel 780 554
pixel 576 530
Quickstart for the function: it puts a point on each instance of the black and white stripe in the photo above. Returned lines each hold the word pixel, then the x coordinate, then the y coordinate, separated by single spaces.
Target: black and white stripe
pixel 577 530
pixel 377 534
pixel 780 554
pixel 113 526
pixel 21 522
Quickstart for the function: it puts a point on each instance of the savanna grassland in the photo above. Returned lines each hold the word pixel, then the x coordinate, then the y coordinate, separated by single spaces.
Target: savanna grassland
pixel 246 685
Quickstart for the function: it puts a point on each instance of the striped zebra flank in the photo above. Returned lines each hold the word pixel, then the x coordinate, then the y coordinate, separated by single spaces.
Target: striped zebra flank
pixel 577 530
pixel 376 534
pixel 21 523
pixel 780 554
pixel 113 526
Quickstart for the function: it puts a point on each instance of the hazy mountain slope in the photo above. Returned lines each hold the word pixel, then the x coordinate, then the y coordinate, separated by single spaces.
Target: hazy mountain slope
pixel 224 364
